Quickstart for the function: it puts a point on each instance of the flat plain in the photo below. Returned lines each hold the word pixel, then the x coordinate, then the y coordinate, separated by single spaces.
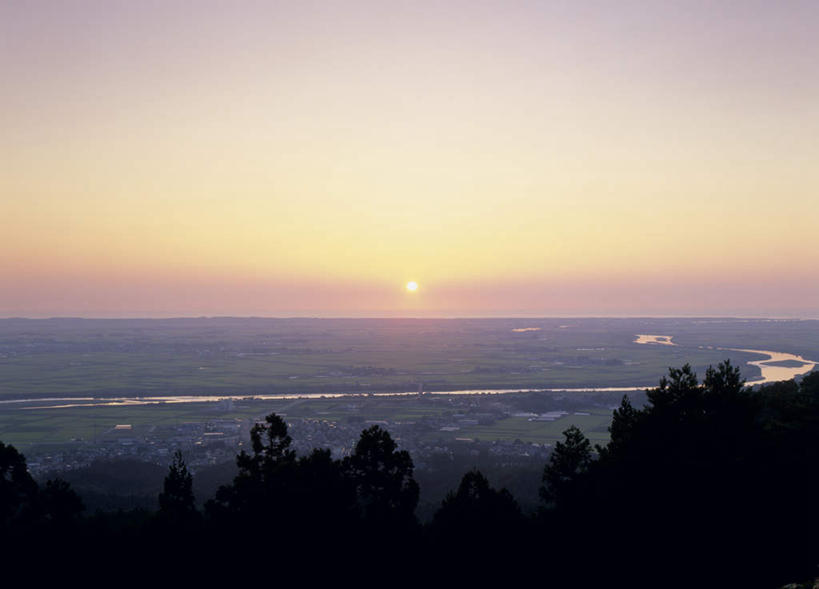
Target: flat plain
pixel 81 357
pixel 93 359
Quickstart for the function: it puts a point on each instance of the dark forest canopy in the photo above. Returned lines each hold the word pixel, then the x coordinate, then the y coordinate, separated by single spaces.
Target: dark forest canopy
pixel 709 483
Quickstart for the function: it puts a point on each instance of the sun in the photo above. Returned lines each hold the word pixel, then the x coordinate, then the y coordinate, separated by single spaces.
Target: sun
pixel 412 286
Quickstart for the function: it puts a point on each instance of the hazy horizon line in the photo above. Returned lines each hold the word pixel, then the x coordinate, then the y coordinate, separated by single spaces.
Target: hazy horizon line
pixel 419 317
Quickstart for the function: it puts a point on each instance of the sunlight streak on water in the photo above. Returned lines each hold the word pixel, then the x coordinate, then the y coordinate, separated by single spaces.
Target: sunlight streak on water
pixel 776 373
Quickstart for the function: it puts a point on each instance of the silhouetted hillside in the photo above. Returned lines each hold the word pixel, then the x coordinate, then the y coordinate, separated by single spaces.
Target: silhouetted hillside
pixel 708 484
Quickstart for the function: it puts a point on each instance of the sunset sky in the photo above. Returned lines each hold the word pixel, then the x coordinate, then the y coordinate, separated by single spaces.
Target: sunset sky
pixel 310 158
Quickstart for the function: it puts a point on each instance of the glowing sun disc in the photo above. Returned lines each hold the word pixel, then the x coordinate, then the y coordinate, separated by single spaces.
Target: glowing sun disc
pixel 412 286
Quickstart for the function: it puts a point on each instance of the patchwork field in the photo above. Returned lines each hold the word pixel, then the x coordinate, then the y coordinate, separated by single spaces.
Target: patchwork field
pixel 74 357
pixel 93 359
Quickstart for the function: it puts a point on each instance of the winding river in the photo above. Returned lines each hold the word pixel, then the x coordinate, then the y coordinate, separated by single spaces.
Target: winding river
pixel 773 373
pixel 68 402
pixel 770 371
pixel 767 365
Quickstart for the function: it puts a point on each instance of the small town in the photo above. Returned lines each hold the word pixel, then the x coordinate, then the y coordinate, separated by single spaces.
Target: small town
pixel 215 441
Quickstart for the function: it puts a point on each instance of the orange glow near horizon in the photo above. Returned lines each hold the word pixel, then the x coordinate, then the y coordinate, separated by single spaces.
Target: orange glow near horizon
pixel 519 160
